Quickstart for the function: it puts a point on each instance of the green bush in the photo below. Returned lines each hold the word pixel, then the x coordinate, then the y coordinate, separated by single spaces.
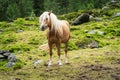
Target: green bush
pixel 19 47
pixel 72 46
pixel 19 64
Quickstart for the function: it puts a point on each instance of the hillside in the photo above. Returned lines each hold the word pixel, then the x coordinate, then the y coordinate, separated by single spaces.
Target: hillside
pixel 23 38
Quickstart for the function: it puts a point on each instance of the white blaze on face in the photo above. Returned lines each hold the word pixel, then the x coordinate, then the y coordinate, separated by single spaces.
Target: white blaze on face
pixel 44 20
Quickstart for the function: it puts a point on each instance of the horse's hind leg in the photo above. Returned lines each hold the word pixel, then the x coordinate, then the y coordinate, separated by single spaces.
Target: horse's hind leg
pixel 59 59
pixel 66 49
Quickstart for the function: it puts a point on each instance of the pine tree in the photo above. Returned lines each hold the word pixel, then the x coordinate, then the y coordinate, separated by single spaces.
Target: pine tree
pixel 12 12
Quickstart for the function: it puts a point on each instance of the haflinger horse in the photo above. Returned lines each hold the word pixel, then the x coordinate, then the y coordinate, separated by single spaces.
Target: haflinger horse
pixel 58 31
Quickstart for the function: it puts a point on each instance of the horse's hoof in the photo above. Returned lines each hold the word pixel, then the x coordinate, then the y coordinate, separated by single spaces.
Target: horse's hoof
pixel 49 64
pixel 66 62
pixel 60 64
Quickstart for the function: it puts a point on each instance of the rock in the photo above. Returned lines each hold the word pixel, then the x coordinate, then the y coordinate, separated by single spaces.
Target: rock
pixel 37 62
pixel 91 32
pixel 4 51
pixel 12 58
pixel 117 77
pixel 1 57
pixel 81 19
pixel 16 79
pixel 19 31
pixel 105 8
pixel 19 52
pixel 6 54
pixel 113 2
pixel 10 64
pixel 116 14
pixel 97 19
pixel 95 31
pixel 94 44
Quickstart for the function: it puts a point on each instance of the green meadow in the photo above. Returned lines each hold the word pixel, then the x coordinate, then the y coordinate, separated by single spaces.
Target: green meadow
pixel 23 38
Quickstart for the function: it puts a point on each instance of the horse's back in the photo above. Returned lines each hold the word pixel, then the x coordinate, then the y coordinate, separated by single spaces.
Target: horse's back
pixel 66 31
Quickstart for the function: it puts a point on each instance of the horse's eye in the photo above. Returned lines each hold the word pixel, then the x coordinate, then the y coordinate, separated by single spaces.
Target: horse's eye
pixel 46 18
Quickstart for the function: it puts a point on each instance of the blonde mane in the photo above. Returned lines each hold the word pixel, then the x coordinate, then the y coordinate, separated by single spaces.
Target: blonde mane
pixel 55 22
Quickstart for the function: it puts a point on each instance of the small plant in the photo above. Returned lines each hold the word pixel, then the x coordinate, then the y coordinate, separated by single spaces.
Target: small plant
pixel 19 64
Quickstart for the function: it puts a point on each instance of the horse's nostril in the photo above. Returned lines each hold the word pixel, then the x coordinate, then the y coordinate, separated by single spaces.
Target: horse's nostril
pixel 42 28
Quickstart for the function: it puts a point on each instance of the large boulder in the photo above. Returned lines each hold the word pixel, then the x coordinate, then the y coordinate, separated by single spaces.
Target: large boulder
pixel 81 19
pixel 113 2
pixel 116 14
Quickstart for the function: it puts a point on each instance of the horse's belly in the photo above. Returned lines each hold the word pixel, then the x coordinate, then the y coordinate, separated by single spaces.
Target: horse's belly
pixel 54 40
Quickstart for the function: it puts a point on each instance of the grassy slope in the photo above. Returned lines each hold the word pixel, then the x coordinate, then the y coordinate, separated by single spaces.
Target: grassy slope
pixel 85 64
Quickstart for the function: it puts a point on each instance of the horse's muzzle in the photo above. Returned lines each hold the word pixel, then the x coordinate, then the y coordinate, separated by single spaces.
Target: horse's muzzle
pixel 42 28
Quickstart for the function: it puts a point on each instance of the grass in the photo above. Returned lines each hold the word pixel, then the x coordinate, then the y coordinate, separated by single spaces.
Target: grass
pixel 93 64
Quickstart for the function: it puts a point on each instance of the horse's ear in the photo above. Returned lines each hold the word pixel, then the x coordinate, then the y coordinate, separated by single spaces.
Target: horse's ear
pixel 49 12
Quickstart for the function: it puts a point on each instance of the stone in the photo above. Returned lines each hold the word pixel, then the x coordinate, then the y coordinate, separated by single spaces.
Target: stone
pixel 6 54
pixel 19 52
pixel 91 32
pixel 113 2
pixel 94 44
pixel 37 62
pixel 115 76
pixel 16 79
pixel 81 19
pixel 97 19
pixel 105 8
pixel 10 64
pixel 12 58
pixel 19 31
pixel 95 31
pixel 1 57
pixel 116 14
pixel 4 51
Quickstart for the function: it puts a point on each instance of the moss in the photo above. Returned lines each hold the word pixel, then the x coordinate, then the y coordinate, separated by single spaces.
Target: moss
pixel 18 47
pixel 8 39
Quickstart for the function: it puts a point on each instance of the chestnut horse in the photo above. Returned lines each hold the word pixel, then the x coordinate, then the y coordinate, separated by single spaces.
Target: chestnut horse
pixel 58 31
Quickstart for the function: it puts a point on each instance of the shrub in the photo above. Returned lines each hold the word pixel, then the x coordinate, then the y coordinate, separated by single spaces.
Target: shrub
pixel 19 47
pixel 72 46
pixel 19 64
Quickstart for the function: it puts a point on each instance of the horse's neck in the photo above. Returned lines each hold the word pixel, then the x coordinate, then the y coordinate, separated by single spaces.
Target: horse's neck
pixel 52 31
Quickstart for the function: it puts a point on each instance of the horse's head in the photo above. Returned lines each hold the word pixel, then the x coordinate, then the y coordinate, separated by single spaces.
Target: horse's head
pixel 44 20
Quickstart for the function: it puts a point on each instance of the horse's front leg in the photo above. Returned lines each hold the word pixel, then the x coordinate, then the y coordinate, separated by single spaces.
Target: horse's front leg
pixel 66 49
pixel 58 45
pixel 50 50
